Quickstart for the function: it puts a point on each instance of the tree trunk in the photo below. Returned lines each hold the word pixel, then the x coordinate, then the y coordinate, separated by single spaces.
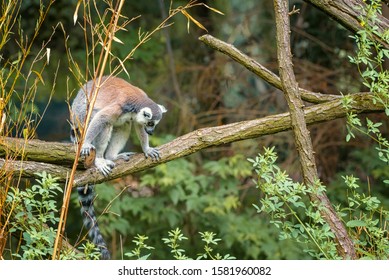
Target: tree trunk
pixel 346 12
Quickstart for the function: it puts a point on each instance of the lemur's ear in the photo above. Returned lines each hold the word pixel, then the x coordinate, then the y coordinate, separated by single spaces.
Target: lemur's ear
pixel 163 109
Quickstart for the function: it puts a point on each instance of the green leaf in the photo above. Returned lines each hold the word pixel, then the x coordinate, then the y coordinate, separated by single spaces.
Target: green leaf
pixel 356 223
pixel 176 195
pixel 145 257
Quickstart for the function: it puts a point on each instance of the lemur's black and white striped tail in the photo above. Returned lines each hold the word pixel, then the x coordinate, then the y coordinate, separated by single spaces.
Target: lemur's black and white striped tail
pixel 86 195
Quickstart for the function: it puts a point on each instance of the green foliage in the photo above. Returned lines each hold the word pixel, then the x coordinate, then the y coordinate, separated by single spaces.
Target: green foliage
pixel 370 59
pixel 210 242
pixel 90 252
pixel 296 217
pixel 173 242
pixel 371 54
pixel 369 128
pixel 35 218
pixel 34 215
pixel 139 241
pixel 299 219
pixel 215 197
pixel 367 222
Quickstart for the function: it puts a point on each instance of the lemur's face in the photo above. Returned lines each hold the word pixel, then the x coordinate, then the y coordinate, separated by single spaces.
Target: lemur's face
pixel 148 120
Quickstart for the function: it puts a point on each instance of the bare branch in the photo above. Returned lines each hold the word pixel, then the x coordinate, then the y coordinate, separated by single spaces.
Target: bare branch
pixel 29 168
pixel 291 91
pixel 260 70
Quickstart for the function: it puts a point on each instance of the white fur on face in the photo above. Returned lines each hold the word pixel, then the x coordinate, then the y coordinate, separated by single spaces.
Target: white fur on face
pixel 145 114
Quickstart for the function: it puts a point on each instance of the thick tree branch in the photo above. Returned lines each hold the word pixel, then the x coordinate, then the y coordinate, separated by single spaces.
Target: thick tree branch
pixel 301 133
pixel 57 153
pixel 291 91
pixel 29 168
pixel 260 70
pixel 214 136
pixel 180 147
pixel 346 12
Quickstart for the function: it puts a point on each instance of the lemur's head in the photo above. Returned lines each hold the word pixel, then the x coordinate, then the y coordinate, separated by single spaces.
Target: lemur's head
pixel 149 117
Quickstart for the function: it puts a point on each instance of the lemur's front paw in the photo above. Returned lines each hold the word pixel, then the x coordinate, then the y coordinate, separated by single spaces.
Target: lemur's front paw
pixel 153 153
pixel 86 149
pixel 104 166
pixel 125 156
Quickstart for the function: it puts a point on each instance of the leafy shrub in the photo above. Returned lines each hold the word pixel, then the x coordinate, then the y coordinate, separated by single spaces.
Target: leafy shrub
pixel 298 219
pixel 35 214
pixel 217 197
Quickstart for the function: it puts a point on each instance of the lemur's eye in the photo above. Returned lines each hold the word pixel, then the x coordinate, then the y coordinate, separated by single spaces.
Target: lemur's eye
pixel 146 115
pixel 150 124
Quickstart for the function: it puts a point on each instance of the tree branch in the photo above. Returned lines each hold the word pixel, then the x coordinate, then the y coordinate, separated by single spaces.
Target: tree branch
pixel 260 70
pixel 37 150
pixel 29 168
pixel 291 92
pixel 182 146
pixel 301 133
pixel 346 12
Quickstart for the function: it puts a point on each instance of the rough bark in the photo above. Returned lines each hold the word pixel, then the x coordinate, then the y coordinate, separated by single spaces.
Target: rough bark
pixel 291 92
pixel 180 147
pixel 346 12
pixel 37 150
pixel 301 133
pixel 29 168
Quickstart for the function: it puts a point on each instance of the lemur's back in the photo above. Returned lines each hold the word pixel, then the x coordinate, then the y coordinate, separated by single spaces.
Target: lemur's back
pixel 113 90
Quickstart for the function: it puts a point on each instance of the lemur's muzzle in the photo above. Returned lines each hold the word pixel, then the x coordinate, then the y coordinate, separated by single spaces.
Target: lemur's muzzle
pixel 149 131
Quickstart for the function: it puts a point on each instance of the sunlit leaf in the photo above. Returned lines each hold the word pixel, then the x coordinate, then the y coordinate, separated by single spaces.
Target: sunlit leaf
pixel 75 15
pixel 213 9
pixel 116 39
pixel 39 76
pixel 190 18
pixel 123 67
pixel 48 51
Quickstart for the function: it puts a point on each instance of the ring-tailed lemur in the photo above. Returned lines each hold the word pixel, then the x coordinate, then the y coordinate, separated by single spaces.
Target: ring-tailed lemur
pixel 118 105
